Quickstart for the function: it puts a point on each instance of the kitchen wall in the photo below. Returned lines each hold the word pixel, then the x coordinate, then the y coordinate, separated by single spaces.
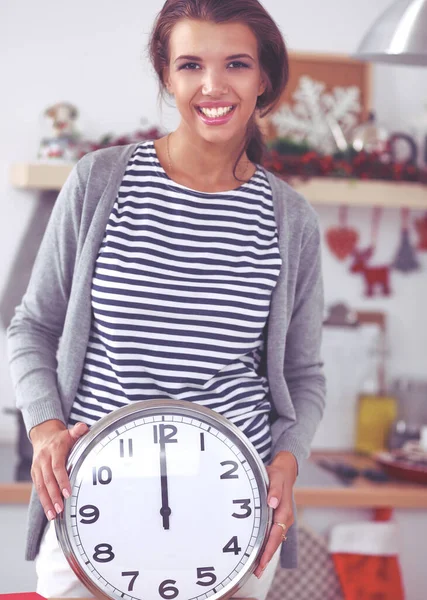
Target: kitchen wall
pixel 93 55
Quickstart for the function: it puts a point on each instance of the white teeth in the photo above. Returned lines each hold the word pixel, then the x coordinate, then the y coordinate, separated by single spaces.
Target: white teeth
pixel 216 112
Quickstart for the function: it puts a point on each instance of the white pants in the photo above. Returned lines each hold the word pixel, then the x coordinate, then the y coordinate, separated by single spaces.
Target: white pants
pixel 55 578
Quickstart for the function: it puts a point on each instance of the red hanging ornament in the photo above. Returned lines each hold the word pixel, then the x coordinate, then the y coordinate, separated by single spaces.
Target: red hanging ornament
pixel 342 240
pixel 375 277
pixel 421 227
pixel 405 259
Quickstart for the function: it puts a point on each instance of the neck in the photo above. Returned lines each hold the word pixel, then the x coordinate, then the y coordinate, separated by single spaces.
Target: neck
pixel 205 161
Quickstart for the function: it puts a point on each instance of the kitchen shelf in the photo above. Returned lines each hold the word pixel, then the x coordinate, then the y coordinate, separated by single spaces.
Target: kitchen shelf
pixel 354 192
pixel 40 175
pixel 318 190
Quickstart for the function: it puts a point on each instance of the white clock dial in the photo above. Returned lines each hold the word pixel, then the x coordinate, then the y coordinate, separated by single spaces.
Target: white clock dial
pixel 165 506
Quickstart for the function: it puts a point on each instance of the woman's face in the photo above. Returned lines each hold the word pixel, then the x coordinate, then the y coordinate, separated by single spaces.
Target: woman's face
pixel 214 69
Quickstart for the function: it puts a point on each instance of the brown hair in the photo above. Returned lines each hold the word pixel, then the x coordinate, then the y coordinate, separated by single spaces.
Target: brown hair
pixel 273 56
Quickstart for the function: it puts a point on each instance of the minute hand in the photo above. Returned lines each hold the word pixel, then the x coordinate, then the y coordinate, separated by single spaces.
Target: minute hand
pixel 165 511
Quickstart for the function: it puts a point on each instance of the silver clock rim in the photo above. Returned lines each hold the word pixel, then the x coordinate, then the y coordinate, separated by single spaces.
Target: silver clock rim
pixel 143 408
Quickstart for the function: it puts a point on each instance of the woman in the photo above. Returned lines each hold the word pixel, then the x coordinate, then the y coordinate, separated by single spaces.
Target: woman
pixel 209 263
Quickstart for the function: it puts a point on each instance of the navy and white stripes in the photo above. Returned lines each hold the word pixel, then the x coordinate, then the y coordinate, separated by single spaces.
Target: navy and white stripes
pixel 180 297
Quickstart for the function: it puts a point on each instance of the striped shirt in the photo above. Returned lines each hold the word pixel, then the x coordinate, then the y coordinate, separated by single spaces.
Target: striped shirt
pixel 180 298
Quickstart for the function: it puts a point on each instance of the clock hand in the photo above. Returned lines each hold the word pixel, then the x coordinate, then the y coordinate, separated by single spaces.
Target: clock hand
pixel 165 511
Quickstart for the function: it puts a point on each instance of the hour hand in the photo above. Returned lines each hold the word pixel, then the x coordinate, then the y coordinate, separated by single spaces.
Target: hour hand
pixel 165 511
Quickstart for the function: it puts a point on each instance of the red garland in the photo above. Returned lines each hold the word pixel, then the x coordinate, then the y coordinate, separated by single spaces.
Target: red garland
pixel 362 165
pixel 85 146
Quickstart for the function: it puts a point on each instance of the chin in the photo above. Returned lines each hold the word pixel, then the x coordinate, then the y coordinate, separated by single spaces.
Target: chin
pixel 218 135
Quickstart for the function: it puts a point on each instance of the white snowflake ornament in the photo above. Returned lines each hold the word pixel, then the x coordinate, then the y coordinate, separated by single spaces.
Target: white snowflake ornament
pixel 320 118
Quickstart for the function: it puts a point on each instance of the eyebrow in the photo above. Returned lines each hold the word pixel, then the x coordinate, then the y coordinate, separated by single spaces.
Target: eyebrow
pixel 232 57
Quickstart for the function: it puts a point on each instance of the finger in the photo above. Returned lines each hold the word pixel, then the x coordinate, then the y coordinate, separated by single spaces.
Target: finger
pixel 60 474
pixel 59 460
pixel 52 486
pixel 283 515
pixel 275 539
pixel 42 493
pixel 276 485
pixel 78 430
pixel 280 499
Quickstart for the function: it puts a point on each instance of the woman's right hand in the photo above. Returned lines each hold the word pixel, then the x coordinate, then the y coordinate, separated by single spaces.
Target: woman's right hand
pixel 52 443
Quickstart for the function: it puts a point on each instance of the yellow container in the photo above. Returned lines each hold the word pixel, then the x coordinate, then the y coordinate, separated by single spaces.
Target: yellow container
pixel 375 417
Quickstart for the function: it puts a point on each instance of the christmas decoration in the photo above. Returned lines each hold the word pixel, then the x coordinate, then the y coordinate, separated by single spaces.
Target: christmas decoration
pixel 315 115
pixel 152 133
pixel 369 137
pixel 366 558
pixel 282 159
pixel 61 141
pixel 421 227
pixel 403 149
pixel 405 259
pixel 375 277
pixel 342 240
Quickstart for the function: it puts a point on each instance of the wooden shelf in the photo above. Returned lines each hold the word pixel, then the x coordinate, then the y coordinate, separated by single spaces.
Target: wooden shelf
pixel 387 194
pixel 39 175
pixel 318 190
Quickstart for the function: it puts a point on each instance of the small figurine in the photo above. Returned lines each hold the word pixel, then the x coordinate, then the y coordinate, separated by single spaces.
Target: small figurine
pixel 62 143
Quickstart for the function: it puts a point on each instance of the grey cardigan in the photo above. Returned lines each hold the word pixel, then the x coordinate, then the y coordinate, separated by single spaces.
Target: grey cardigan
pixel 48 335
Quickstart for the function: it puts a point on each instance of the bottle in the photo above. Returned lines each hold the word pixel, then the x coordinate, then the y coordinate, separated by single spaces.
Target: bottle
pixel 376 413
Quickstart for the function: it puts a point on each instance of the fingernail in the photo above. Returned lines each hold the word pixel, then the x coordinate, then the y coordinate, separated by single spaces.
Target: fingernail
pixel 260 575
pixel 50 515
pixel 66 493
pixel 274 503
pixel 58 508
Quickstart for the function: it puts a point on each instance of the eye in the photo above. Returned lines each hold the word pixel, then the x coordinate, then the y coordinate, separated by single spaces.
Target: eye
pixel 188 66
pixel 239 65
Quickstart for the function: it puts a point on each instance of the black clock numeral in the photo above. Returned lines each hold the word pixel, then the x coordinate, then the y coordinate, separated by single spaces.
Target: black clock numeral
pixel 129 450
pixel 133 575
pixel 230 474
pixel 90 514
pixel 103 549
pixel 103 475
pixel 167 589
pixel 167 434
pixel 232 546
pixel 202 441
pixel 244 505
pixel 203 573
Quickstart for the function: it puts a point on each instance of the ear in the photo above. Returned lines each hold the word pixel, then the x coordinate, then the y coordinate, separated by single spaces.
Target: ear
pixel 167 81
pixel 262 86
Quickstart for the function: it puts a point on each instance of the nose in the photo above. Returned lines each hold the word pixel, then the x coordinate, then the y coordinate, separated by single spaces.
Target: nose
pixel 214 84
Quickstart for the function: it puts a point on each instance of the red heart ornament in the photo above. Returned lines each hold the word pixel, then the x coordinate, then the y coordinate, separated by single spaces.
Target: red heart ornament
pixel 342 241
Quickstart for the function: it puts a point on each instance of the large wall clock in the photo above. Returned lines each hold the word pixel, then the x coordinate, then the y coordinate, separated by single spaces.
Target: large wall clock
pixel 169 500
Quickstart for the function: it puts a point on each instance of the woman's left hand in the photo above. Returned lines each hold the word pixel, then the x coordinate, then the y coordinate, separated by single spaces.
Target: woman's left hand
pixel 282 473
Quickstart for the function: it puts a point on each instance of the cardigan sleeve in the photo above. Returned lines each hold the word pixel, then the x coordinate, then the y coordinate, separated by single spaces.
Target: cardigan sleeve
pixel 303 367
pixel 35 330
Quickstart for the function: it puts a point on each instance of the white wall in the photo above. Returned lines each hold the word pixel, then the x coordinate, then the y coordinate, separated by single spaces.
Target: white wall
pixel 93 56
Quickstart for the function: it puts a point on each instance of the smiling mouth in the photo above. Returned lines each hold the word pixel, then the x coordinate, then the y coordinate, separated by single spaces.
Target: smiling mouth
pixel 216 113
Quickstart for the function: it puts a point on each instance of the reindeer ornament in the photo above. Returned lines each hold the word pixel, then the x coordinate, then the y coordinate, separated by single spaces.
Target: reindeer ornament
pixel 378 277
pixel 375 277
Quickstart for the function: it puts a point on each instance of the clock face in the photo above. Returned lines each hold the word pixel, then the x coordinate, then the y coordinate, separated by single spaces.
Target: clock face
pixel 165 505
